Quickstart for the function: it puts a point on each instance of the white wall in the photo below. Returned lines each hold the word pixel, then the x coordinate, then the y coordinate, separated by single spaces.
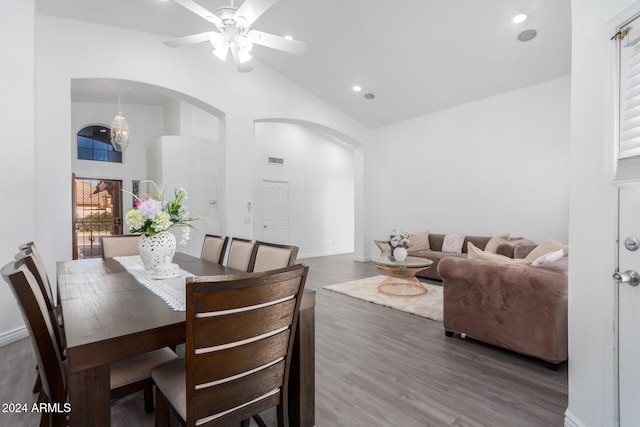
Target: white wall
pixel 192 163
pixel 182 118
pixel 320 173
pixel 145 122
pixel 592 217
pixel 17 169
pixel 492 166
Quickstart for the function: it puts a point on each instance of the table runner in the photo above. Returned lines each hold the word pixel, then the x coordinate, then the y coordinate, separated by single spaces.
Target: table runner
pixel 172 291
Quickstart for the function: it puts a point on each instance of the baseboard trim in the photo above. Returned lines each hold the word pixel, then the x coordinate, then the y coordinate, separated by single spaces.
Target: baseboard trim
pixel 571 421
pixel 319 254
pixel 13 336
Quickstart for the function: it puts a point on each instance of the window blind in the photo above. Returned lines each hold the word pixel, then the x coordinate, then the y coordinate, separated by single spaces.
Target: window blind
pixel 630 110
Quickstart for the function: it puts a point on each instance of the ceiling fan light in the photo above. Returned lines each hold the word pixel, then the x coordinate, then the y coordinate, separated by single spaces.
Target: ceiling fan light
pixel 218 40
pixel 244 56
pixel 221 53
pixel 244 44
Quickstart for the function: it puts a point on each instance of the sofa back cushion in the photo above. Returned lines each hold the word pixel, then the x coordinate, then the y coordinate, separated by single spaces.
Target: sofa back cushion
pixel 479 242
pixel 436 240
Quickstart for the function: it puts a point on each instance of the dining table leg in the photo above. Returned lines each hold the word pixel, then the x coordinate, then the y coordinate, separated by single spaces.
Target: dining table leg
pixel 302 386
pixel 90 398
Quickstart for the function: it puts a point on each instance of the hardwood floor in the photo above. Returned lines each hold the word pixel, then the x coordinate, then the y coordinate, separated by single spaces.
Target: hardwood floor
pixel 375 367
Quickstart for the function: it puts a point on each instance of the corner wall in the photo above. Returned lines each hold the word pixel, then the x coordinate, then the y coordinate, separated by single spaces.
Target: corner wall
pixel 497 165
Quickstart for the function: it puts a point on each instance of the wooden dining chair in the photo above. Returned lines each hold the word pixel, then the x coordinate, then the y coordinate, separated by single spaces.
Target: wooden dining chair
pixel 241 254
pixel 127 376
pixel 214 248
pixel 240 332
pixel 271 256
pixel 119 245
pixel 35 264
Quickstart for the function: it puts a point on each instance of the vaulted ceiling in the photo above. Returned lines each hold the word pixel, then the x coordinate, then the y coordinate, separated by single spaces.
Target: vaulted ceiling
pixel 415 56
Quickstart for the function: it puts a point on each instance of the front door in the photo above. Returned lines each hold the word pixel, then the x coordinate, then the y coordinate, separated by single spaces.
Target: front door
pixel 97 212
pixel 275 212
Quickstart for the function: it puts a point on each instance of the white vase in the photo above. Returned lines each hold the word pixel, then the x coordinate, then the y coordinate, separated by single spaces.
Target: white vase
pixel 157 249
pixel 400 254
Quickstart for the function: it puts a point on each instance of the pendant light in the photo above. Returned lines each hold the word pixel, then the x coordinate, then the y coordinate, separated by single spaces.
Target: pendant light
pixel 119 130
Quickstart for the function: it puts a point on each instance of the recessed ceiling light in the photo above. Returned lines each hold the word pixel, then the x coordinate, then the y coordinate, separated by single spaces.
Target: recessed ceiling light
pixel 288 37
pixel 357 88
pixel 369 96
pixel 520 18
pixel 527 35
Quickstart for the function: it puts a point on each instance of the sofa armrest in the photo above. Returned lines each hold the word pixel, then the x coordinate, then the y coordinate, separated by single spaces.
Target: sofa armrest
pixel 514 306
pixel 514 248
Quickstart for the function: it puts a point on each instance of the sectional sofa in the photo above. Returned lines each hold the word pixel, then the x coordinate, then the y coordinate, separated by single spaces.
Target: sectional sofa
pixel 436 249
pixel 506 292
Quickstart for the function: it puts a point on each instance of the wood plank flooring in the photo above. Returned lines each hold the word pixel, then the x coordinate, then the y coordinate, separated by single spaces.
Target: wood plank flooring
pixel 375 367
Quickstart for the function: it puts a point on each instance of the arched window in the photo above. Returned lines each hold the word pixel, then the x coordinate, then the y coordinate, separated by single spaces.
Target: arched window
pixel 94 144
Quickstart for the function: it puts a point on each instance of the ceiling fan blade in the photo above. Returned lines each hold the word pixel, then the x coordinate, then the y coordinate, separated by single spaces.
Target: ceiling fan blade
pixel 243 67
pixel 277 42
pixel 187 40
pixel 252 9
pixel 199 10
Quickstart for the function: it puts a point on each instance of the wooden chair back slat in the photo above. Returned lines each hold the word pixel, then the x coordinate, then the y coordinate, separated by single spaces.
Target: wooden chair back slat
pixel 237 327
pixel 245 293
pixel 232 394
pixel 243 413
pixel 224 363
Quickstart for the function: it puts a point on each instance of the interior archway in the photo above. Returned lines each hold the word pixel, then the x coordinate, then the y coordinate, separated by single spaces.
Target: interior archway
pixel 162 123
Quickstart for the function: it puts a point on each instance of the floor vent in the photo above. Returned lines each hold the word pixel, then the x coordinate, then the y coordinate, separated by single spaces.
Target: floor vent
pixel 276 161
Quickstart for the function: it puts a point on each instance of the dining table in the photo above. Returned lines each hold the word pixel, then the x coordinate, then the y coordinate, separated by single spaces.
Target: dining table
pixel 109 315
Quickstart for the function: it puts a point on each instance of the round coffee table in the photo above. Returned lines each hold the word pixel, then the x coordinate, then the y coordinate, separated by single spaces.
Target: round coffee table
pixel 402 279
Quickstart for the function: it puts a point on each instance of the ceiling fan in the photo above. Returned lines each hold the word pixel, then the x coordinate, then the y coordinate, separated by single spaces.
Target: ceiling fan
pixel 234 32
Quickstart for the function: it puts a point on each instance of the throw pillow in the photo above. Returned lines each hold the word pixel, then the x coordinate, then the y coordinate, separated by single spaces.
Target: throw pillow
pixel 545 247
pixel 475 253
pixel 419 241
pixel 453 243
pixel 494 242
pixel 548 258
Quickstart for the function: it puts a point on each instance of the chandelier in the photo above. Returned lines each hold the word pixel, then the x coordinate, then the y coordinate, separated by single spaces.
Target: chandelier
pixel 119 131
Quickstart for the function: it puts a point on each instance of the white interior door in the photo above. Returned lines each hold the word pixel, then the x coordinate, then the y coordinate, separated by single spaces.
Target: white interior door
pixel 629 225
pixel 275 212
pixel 629 307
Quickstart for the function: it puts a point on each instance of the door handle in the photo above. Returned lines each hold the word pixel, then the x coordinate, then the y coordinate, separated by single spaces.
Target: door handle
pixel 630 276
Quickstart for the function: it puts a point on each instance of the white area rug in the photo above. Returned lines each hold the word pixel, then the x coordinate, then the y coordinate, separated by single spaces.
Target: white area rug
pixel 428 305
